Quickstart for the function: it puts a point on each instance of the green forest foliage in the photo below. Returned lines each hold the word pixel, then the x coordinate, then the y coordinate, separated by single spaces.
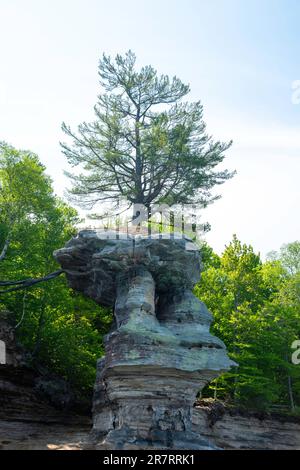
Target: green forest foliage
pixel 256 304
pixel 256 308
pixel 61 330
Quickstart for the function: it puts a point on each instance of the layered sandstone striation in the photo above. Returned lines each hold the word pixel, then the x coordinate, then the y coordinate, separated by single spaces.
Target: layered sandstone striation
pixel 159 352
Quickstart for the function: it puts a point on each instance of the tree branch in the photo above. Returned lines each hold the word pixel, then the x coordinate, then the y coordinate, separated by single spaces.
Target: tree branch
pixel 19 285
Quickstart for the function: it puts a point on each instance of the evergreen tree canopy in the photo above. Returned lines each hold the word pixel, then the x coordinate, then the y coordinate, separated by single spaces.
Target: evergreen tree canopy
pixel 146 145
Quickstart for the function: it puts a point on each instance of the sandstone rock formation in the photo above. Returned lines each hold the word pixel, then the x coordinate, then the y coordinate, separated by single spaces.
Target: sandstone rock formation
pixel 240 430
pixel 159 353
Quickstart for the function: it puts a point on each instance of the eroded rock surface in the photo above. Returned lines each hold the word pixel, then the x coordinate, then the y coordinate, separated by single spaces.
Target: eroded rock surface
pixel 159 353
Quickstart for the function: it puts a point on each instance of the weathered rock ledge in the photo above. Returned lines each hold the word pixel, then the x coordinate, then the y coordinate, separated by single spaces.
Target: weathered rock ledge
pixel 235 430
pixel 229 432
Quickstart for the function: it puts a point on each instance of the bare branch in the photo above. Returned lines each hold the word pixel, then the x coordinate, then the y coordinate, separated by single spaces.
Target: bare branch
pixel 19 285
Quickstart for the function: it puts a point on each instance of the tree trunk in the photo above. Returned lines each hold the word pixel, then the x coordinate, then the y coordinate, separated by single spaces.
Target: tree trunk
pixel 291 395
pixel 5 248
pixel 41 324
pixel 215 390
pixel 290 387
pixel 149 220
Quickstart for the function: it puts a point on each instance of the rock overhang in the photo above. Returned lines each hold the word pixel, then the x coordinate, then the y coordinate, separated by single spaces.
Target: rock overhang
pixel 95 261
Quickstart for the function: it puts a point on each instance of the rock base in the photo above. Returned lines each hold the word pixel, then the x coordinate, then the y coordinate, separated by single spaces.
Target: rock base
pixel 146 408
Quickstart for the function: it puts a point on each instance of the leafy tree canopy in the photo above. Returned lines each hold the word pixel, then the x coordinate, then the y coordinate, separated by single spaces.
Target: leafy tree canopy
pixel 289 255
pixel 256 308
pixel 59 328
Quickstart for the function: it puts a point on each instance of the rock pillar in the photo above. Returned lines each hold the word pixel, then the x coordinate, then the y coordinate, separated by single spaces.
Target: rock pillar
pixel 159 353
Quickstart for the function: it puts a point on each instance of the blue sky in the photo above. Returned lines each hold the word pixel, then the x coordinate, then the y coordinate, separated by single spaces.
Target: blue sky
pixel 239 56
